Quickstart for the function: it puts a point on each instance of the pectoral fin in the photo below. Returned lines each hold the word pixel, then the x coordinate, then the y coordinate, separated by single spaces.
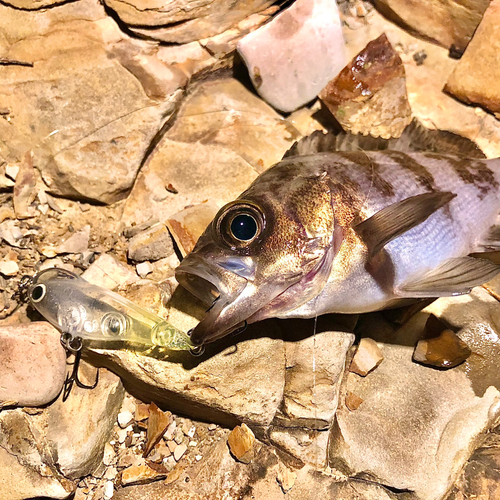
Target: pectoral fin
pixel 396 219
pixel 453 277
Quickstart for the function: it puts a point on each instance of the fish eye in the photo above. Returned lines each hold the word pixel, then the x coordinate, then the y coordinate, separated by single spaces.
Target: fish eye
pixel 38 292
pixel 240 223
pixel 244 227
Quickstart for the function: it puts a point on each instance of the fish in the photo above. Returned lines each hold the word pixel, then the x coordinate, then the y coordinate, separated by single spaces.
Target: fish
pixel 350 231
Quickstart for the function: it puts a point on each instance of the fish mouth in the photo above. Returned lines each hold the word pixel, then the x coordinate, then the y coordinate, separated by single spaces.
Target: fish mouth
pixel 217 288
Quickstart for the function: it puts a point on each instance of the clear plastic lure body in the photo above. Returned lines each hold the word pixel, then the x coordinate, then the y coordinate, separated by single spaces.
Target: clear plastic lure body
pixel 78 308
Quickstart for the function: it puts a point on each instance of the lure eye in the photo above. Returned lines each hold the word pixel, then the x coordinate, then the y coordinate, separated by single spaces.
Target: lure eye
pixel 240 223
pixel 38 292
pixel 113 324
pixel 244 227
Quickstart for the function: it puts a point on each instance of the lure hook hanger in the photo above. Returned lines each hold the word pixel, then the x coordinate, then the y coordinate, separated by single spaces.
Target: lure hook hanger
pixel 74 345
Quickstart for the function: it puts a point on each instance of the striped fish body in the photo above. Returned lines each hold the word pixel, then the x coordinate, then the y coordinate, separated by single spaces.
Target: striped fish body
pixel 345 232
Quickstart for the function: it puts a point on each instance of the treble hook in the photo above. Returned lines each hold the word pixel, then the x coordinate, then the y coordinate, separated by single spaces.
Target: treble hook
pixel 73 345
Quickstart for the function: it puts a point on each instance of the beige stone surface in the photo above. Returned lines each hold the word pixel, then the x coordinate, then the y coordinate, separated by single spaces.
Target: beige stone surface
pixel 476 79
pixel 447 22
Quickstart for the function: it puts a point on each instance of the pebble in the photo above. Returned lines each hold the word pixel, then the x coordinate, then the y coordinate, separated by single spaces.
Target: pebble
pixel 212 427
pixel 109 489
pixel 352 401
pixel 445 351
pixel 368 356
pixel 122 434
pixel 125 418
pixel 152 244
pixel 172 445
pixel 179 436
pixel 170 432
pixel 241 441
pixel 140 473
pixel 144 268
pixel 32 364
pixel 179 451
pixel 109 457
pixel 9 268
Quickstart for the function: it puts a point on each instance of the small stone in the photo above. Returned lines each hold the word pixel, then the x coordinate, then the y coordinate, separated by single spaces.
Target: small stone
pixel 11 171
pixel 241 442
pixel 369 94
pixel 109 457
pixel 32 364
pixel 128 458
pixel 158 422
pixel 368 356
pixel 193 443
pixel 76 243
pixel 179 451
pixel 143 269
pixel 212 427
pixel 445 351
pixel 24 188
pixel 9 268
pixel 141 412
pixel 179 435
pixel 186 426
pixel 153 244
pixel 198 457
pixel 125 418
pixel 172 445
pixel 191 432
pixel 170 432
pixel 138 474
pixel 286 477
pixel 352 401
pixel 291 58
pixel 109 273
pixel 109 489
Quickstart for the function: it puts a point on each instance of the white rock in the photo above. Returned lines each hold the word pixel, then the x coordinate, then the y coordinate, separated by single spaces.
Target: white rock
pixel 143 269
pixel 9 267
pixel 109 489
pixel 179 451
pixel 294 56
pixel 125 418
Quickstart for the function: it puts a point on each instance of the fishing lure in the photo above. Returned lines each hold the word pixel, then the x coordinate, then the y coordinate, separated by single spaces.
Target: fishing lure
pixel 83 311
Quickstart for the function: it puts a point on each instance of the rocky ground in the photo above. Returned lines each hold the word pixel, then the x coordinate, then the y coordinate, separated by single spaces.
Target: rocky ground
pixel 124 126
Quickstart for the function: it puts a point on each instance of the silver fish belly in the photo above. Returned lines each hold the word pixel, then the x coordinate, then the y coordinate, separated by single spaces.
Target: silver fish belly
pixel 347 233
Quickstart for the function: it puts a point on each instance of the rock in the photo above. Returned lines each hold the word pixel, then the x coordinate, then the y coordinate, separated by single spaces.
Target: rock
pixel 153 244
pixel 139 474
pixel 24 472
pixel 315 366
pixel 218 144
pixel 188 225
pixel 369 95
pixel 125 418
pixel 24 188
pixel 352 401
pixel 286 478
pixel 179 451
pixel 32 4
pixel 73 433
pixel 183 21
pixel 450 24
pixel 241 442
pixel 76 243
pixel 295 55
pixel 437 418
pixel 32 364
pixel 107 272
pixel 9 267
pixel 445 351
pixel 475 79
pixel 143 269
pixel 367 357
pixel 226 386
pixel 307 446
pixel 60 101
pixel 158 422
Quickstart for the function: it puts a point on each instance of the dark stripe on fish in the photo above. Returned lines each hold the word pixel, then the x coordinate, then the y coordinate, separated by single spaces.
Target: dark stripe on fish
pixel 422 175
pixel 372 170
pixel 472 172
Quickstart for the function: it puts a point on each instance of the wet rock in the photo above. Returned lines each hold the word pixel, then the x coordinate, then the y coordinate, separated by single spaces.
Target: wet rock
pixel 218 144
pixel 435 414
pixel 369 94
pixel 241 442
pixel 475 80
pixel 24 472
pixel 60 102
pixel 109 273
pixel 445 351
pixel 296 54
pixel 32 364
pixel 73 433
pixel 183 21
pixel 244 384
pixel 450 24
pixel 188 225
pixel 153 244
pixel 367 357
pixel 315 366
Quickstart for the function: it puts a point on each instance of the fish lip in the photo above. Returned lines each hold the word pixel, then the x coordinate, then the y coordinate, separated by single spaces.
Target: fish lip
pixel 217 288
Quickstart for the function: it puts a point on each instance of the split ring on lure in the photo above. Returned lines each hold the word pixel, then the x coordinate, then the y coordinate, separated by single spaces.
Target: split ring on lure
pixel 81 310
